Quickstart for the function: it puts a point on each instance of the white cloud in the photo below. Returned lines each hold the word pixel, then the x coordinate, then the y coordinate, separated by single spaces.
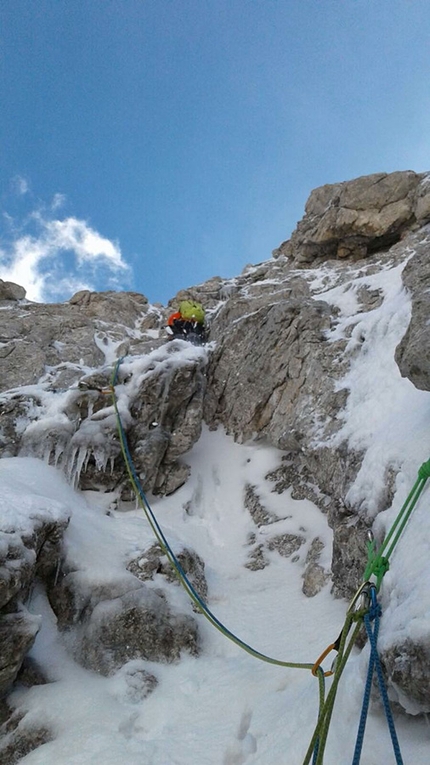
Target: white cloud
pixel 87 244
pixel 20 185
pixel 61 258
pixel 58 201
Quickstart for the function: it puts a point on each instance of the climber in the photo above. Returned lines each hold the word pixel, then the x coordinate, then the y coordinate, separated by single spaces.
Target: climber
pixel 188 323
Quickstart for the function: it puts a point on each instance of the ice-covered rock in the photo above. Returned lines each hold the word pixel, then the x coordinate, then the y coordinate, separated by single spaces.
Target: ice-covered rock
pixel 160 395
pixel 153 561
pixel 290 343
pixel 30 545
pixel 139 625
pixel 117 618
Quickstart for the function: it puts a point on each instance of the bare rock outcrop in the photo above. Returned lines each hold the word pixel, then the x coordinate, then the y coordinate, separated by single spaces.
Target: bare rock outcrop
pixel 413 352
pixel 138 625
pixel 356 218
pixel 273 375
pixel 19 736
pixel 9 291
pixel 269 344
pixel 58 341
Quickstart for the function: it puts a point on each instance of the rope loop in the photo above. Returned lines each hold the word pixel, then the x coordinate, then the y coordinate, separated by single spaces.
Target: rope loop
pixel 380 567
pixel 374 615
pixel 375 610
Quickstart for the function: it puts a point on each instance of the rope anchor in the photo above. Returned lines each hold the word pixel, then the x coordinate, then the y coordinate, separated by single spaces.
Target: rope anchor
pixel 363 607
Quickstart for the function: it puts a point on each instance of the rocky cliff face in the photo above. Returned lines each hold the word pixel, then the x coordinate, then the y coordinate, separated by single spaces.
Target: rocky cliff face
pixel 360 217
pixel 281 347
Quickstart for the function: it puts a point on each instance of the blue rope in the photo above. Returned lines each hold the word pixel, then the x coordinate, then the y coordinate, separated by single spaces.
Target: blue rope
pixel 374 615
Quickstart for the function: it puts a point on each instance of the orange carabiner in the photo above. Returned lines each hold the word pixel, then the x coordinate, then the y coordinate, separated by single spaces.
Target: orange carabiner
pixel 315 668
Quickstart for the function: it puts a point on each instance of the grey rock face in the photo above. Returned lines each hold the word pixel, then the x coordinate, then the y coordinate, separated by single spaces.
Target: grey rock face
pixel 138 626
pixel 18 631
pixel 19 736
pixel 56 346
pixel 267 347
pixel 167 416
pixel 11 291
pixel 120 621
pixel 406 666
pixel 61 340
pixel 359 217
pixel 413 353
pixel 23 555
pixel 314 576
pixel 153 561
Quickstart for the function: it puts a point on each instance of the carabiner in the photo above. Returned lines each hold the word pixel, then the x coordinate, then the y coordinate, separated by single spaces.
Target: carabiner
pixel 317 665
pixel 362 592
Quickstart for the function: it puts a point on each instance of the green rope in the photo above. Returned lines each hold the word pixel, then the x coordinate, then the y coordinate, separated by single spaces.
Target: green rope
pixel 203 608
pixel 378 563
pixel 377 566
pixel 326 707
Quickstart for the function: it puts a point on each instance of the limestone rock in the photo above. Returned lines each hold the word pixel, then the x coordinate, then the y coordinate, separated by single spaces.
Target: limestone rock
pixel 69 337
pixel 28 550
pixel 413 352
pixel 153 561
pixel 258 512
pixel 406 666
pixel 266 351
pixel 120 621
pixel 19 736
pixel 286 544
pixel 18 631
pixel 167 414
pixel 257 559
pixel 314 576
pixel 359 217
pixel 139 625
pixel 11 291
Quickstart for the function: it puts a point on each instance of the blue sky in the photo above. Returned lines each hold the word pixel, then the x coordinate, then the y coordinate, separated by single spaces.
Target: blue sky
pixel 152 144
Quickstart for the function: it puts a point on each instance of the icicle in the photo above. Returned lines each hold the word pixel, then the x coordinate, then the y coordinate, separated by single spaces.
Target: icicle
pixel 57 571
pixel 82 458
pixel 60 448
pixel 47 450
pixel 101 457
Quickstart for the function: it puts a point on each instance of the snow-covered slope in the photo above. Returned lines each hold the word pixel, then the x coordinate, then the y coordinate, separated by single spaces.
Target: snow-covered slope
pixel 225 707
pixel 312 436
